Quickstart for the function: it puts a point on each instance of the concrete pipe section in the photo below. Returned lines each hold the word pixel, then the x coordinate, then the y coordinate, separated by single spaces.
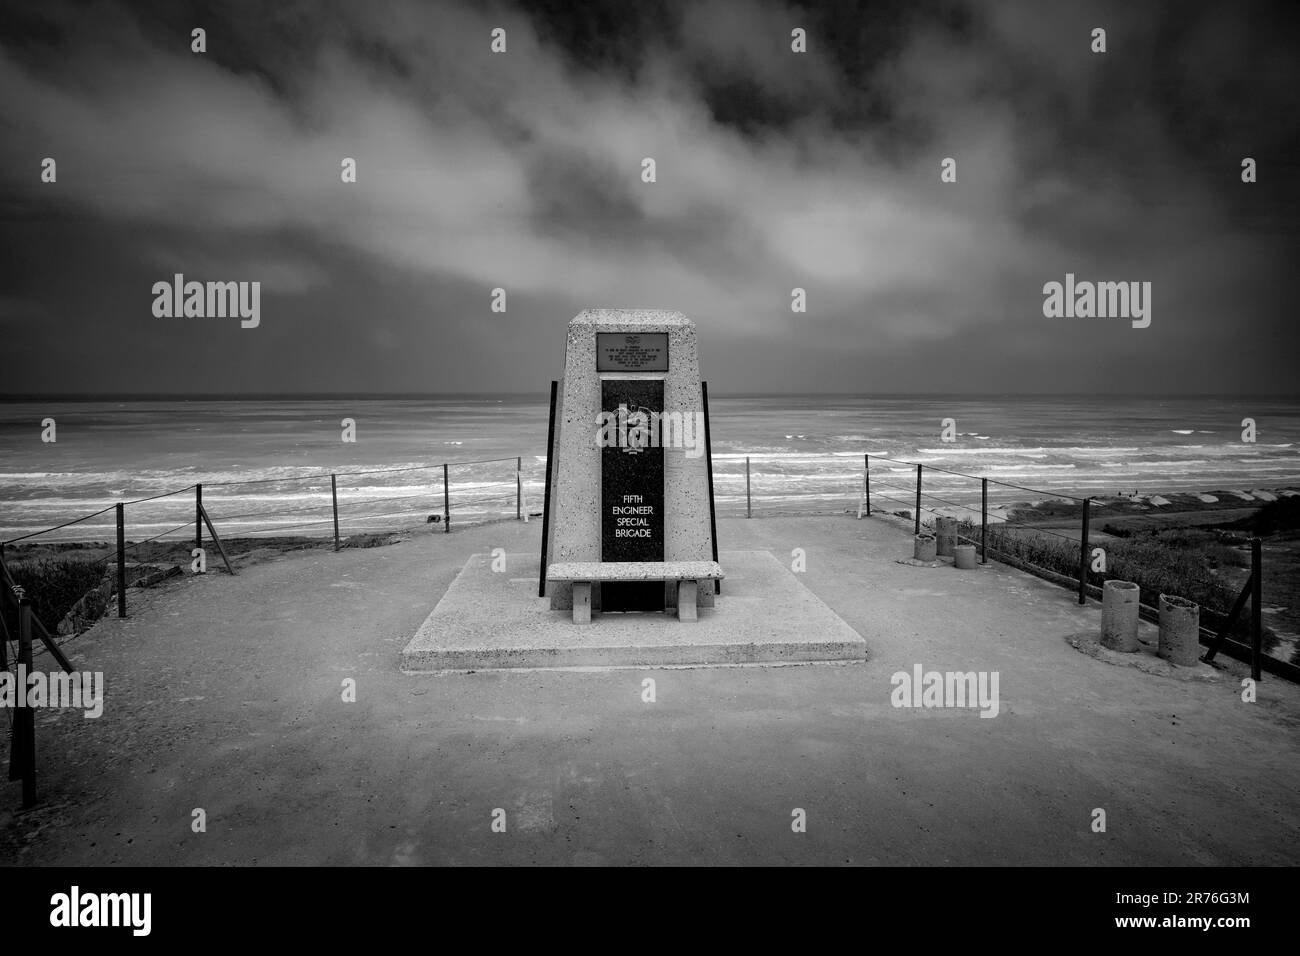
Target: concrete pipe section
pixel 1120 603
pixel 945 536
pixel 1180 630
pixel 963 557
pixel 924 547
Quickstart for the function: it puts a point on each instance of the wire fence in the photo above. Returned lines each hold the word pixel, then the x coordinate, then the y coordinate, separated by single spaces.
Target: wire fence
pixel 464 492
pixel 100 554
pixel 1052 538
pixel 1048 533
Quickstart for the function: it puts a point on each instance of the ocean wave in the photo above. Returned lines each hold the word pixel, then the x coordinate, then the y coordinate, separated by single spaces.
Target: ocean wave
pixel 1032 469
pixel 244 452
pixel 1073 450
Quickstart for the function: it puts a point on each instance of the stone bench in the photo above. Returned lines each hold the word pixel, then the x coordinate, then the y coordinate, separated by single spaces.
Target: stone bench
pixel 583 574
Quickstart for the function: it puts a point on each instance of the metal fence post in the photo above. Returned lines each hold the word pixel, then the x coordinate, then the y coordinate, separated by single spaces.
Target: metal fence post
pixel 24 717
pixel 748 506
pixel 866 482
pixel 121 560
pixel 1256 606
pixel 198 515
pixel 708 474
pixel 984 521
pixel 519 488
pixel 917 529
pixel 1083 553
pixel 546 492
pixel 334 496
pixel 446 503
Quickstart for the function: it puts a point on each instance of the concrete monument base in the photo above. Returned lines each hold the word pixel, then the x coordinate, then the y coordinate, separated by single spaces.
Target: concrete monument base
pixel 494 620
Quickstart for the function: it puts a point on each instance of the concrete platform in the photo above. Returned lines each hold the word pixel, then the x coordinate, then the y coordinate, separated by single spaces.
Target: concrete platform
pixel 495 620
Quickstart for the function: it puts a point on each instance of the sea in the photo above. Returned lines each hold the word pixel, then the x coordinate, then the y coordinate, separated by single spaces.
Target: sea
pixel 265 464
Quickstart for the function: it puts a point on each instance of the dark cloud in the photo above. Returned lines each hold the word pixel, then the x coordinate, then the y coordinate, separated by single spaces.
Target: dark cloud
pixel 523 171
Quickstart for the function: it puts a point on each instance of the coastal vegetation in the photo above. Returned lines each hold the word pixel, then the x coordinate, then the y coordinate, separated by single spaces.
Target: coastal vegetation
pixel 82 575
pixel 1205 564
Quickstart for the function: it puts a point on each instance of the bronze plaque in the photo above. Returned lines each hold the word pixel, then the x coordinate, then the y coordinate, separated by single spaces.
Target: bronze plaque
pixel 631 351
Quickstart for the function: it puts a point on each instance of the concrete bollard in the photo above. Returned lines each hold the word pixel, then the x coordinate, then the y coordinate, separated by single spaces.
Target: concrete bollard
pixel 1180 630
pixel 1120 603
pixel 945 536
pixel 923 550
pixel 963 557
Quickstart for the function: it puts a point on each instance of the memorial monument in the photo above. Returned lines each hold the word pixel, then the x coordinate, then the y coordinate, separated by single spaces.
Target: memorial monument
pixel 629 532
pixel 629 523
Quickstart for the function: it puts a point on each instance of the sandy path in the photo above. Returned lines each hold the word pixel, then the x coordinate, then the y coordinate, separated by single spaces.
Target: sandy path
pixel 224 694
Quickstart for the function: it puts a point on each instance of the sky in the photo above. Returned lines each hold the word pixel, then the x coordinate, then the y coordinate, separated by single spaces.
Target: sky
pixel 523 170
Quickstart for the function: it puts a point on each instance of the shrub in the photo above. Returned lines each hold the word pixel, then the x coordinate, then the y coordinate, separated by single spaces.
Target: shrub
pixel 55 584
pixel 1178 562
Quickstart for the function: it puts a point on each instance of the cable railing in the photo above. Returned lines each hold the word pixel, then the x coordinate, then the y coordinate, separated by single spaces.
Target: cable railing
pixel 1051 536
pixel 832 484
pixel 320 504
pixel 1068 558
pixel 327 483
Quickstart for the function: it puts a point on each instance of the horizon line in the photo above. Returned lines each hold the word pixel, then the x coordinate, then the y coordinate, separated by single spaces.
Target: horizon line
pixel 26 397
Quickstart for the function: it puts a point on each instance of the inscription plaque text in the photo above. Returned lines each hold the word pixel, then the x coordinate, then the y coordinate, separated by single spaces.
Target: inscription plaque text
pixel 631 352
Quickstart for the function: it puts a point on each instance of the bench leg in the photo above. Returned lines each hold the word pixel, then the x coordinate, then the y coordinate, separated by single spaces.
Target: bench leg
pixel 687 593
pixel 581 602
